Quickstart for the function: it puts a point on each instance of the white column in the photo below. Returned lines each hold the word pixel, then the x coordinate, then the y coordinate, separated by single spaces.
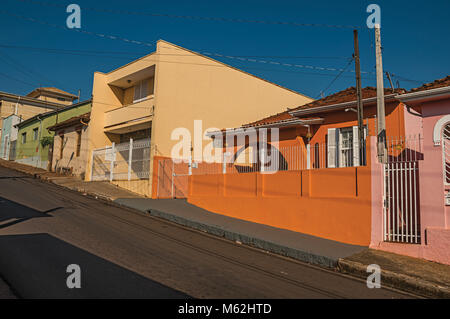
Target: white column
pixel 130 158
pixel 113 153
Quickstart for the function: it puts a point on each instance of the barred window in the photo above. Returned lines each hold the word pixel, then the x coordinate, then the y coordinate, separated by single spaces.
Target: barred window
pixel 446 151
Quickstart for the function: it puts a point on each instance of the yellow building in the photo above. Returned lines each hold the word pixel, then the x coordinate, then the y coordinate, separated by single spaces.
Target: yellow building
pixel 148 98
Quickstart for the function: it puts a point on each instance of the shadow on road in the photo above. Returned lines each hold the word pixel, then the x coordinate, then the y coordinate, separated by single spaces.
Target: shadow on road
pixel 35 265
pixel 16 213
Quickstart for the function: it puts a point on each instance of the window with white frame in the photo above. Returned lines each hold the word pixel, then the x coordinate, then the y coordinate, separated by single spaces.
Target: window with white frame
pixel 446 153
pixel 343 147
pixel 141 91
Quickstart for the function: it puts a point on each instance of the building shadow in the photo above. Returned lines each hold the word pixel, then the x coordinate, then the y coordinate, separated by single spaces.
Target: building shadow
pixel 12 213
pixel 35 266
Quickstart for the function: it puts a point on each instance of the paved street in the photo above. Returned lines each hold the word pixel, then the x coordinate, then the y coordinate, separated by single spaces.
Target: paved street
pixel 121 253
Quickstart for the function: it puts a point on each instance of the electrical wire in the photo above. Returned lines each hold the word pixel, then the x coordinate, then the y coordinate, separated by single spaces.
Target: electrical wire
pixel 189 17
pixel 335 79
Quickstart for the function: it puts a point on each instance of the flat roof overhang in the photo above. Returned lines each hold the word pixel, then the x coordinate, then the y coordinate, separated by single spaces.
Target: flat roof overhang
pixel 131 126
pixel 285 124
pixel 425 96
pixel 129 80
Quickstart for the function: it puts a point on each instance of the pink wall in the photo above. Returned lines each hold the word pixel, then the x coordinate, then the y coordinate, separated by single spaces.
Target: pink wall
pixel 435 216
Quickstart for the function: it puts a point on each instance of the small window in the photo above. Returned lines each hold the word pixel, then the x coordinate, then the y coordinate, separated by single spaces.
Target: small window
pixel 24 138
pixel 78 143
pixel 61 99
pixel 141 91
pixel 35 134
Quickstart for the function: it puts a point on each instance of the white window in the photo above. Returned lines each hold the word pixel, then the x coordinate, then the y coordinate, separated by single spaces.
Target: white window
pixel 346 147
pixel 141 91
pixel 343 147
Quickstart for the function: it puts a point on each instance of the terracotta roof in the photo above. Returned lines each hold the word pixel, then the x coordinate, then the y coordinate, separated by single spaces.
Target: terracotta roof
pixel 433 85
pixel 348 95
pixel 52 89
pixel 69 122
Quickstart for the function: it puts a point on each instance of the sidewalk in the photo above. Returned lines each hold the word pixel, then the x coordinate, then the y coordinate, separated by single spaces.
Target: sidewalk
pixel 419 276
pixel 410 274
pixel 103 190
pixel 303 247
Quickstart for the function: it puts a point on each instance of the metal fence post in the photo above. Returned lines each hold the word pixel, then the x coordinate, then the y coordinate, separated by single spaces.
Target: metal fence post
pixel 190 165
pixel 308 156
pixel 224 163
pixel 92 165
pixel 130 158
pixel 111 171
pixel 173 174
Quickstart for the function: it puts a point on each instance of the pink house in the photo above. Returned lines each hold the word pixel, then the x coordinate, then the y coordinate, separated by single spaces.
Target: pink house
pixel 431 104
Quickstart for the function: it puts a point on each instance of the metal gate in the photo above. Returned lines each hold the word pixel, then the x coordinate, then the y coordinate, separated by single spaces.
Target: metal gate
pixel 401 192
pixel 172 179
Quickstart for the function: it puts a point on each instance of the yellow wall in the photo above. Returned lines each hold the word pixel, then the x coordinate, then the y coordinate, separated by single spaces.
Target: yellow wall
pixel 189 87
pixel 67 101
pixel 24 110
pixel 192 87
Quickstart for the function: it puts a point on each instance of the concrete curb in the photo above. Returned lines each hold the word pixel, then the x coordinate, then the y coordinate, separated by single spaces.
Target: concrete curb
pixel 275 248
pixel 398 281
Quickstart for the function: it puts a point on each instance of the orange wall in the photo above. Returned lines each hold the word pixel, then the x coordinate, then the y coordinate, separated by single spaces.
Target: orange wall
pixel 328 203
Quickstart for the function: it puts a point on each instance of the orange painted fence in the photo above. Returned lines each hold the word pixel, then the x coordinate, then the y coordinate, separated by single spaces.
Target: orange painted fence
pixel 332 203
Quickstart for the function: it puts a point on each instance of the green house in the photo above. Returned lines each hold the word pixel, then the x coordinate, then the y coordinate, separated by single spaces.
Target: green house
pixel 34 140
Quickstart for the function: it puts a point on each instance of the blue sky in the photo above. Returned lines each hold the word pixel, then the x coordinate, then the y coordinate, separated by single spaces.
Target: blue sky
pixel 415 38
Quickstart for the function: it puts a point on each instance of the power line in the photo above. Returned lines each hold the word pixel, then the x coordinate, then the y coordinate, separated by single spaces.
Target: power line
pixel 130 53
pixel 151 44
pixel 112 37
pixel 27 71
pixel 189 17
pixel 335 79
pixel 17 80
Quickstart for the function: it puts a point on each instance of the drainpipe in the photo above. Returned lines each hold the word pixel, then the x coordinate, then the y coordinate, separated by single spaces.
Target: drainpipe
pixel 16 108
pixel 39 140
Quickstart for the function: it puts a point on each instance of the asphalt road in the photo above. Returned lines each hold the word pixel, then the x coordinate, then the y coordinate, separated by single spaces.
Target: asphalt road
pixel 125 254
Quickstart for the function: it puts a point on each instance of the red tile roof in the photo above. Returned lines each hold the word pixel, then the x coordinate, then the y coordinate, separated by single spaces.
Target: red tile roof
pixel 433 85
pixel 348 95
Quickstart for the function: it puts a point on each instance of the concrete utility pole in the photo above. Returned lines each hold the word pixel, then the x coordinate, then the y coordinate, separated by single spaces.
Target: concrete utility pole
pixel 359 99
pixel 381 116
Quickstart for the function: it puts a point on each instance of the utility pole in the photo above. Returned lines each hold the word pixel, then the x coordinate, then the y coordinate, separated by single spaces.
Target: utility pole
pixel 360 110
pixel 381 116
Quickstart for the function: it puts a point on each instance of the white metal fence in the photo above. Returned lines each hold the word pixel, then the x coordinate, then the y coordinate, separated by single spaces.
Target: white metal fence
pixel 173 175
pixel 283 158
pixel 401 190
pixel 125 161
